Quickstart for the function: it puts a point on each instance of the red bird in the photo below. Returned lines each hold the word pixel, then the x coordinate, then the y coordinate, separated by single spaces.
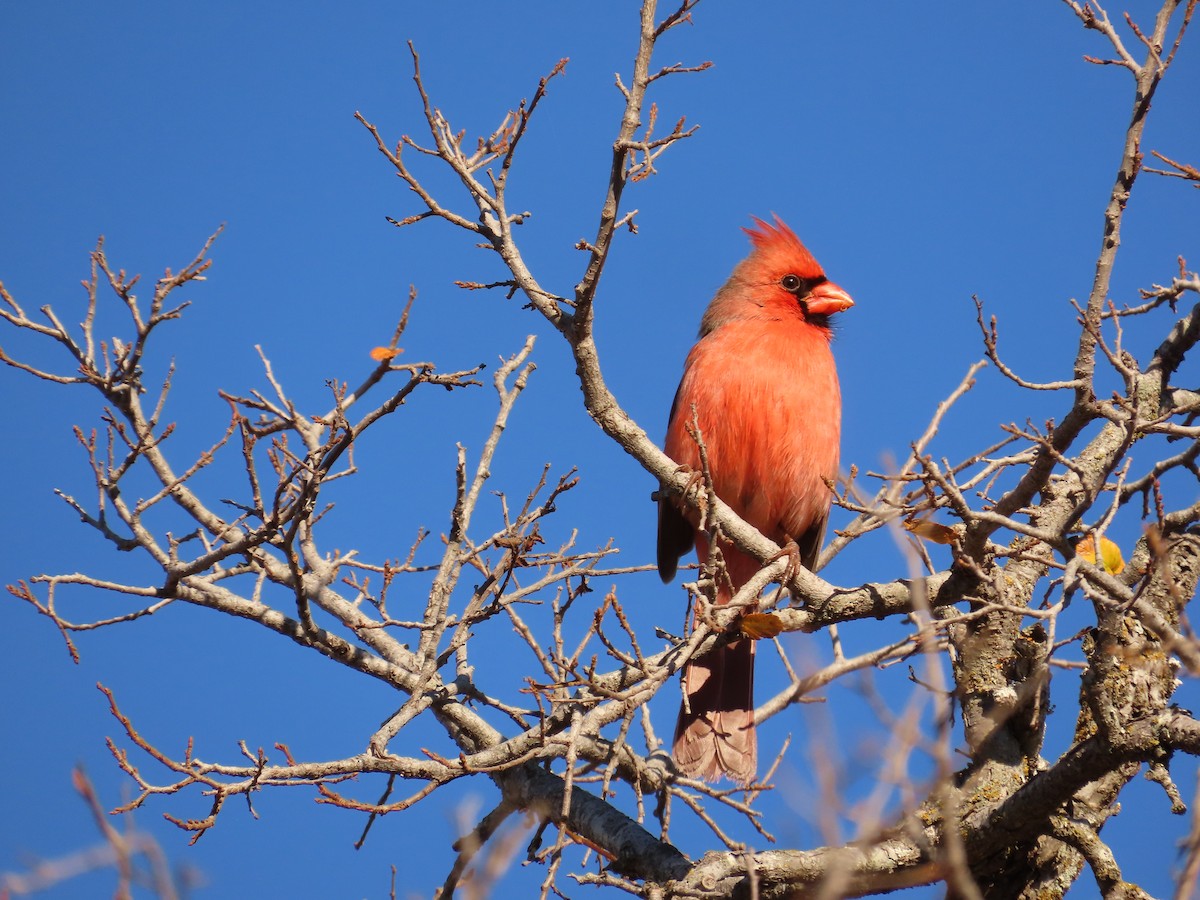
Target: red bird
pixel 762 386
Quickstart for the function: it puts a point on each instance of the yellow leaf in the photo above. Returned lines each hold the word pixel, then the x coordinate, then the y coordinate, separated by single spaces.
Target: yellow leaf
pixel 931 531
pixel 757 626
pixel 1111 560
pixel 379 354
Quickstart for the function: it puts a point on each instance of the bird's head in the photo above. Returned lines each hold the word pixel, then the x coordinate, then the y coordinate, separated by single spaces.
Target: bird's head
pixel 782 272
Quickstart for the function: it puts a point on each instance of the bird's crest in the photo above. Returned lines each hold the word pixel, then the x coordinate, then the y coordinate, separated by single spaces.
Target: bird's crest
pixel 780 242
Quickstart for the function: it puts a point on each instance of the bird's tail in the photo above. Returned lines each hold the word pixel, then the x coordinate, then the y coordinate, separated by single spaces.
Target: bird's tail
pixel 715 735
pixel 715 732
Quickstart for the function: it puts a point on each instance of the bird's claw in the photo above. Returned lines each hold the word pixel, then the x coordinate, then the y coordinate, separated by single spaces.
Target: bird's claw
pixel 695 480
pixel 790 551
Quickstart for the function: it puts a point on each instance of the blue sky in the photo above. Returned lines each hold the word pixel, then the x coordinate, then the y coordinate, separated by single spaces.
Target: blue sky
pixel 925 156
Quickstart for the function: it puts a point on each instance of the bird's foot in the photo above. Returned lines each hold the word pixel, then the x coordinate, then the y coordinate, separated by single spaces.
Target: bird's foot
pixel 791 552
pixel 695 482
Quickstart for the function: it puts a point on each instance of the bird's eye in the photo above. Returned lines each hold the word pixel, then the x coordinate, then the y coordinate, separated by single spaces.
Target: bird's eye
pixel 791 283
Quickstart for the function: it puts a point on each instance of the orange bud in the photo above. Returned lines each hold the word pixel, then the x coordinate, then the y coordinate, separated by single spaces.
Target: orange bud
pixel 379 354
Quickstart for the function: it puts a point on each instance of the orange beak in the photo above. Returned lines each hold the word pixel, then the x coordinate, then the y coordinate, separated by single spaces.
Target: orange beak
pixel 828 298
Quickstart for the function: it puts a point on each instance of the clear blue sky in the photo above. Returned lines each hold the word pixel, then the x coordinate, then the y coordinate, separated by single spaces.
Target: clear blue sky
pixel 924 154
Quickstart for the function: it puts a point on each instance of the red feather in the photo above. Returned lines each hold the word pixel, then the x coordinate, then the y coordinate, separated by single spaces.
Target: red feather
pixel 761 385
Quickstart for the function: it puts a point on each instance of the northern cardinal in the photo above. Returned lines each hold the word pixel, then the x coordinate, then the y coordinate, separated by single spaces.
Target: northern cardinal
pixel 761 385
